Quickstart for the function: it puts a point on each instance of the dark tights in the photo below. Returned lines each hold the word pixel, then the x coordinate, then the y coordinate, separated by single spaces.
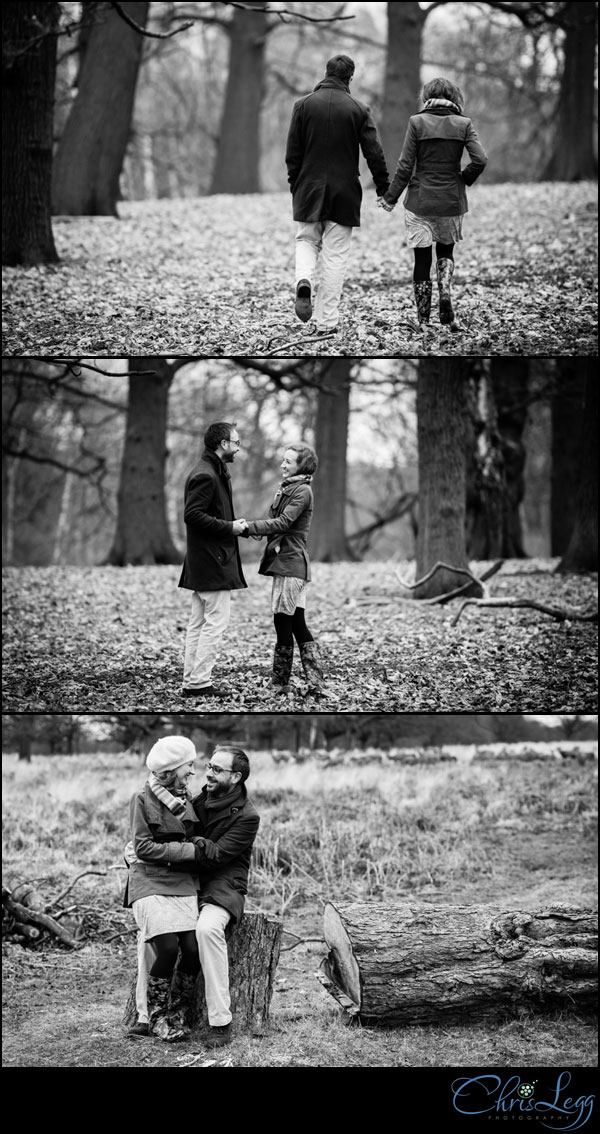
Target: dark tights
pixel 167 946
pixel 423 260
pixel 290 626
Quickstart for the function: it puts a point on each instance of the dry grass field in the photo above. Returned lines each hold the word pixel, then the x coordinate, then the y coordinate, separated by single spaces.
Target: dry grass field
pixel 509 833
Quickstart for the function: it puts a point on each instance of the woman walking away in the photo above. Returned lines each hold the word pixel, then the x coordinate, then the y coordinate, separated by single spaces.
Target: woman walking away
pixel 165 903
pixel 286 559
pixel 436 200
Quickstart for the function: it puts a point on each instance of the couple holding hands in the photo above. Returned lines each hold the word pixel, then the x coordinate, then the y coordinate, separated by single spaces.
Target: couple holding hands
pixel 212 568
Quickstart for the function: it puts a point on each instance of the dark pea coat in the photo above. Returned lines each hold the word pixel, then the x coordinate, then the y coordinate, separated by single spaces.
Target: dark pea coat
pixel 232 828
pixel 159 840
pixel 328 129
pixel 287 527
pixel 430 164
pixel 212 560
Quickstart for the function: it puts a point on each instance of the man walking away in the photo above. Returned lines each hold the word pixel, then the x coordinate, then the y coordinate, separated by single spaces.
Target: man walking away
pixel 329 128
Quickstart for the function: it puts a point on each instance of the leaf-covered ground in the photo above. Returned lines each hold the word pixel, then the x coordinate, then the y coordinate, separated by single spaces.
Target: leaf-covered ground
pixel 214 276
pixel 102 639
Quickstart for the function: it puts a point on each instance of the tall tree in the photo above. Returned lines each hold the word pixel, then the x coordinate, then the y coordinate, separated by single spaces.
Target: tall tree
pixel 443 434
pixel 328 541
pixel 582 552
pixel 485 470
pixel 573 157
pixel 402 75
pixel 28 71
pixel 238 153
pixel 142 533
pixel 89 157
pixel 510 383
pixel 567 403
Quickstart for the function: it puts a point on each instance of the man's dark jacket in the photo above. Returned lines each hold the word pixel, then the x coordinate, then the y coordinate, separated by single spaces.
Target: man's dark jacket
pixel 232 830
pixel 327 130
pixel 212 560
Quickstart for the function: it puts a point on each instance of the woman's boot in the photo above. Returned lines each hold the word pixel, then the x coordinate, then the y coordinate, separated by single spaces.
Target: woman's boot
pixel 182 1000
pixel 159 989
pixel 423 290
pixel 445 271
pixel 283 659
pixel 312 664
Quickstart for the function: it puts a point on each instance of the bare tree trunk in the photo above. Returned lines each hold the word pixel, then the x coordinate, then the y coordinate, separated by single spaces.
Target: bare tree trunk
pixel 567 411
pixel 402 76
pixel 582 552
pixel 442 432
pixel 485 474
pixel 238 154
pixel 26 734
pixel 419 964
pixel 28 71
pixel 142 534
pixel 90 154
pixel 510 381
pixel 253 950
pixel 573 158
pixel 328 542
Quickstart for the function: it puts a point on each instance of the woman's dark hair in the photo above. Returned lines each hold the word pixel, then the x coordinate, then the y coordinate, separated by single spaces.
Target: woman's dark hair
pixel 217 432
pixel 307 459
pixel 239 763
pixel 443 88
pixel 340 67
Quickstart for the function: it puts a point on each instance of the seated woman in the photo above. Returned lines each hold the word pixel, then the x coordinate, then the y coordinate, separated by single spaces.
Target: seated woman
pixel 165 903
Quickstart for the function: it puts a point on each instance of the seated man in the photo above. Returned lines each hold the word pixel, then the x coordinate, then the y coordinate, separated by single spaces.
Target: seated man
pixel 227 827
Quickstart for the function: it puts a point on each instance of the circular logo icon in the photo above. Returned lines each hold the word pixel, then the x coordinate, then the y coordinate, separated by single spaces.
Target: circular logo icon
pixel 525 1091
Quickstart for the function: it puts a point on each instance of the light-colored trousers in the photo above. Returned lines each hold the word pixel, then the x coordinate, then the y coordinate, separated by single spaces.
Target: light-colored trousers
pixel 212 947
pixel 333 242
pixel 209 619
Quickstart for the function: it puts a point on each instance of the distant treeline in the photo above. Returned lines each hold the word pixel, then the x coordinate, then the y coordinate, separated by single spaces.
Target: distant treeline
pixel 70 734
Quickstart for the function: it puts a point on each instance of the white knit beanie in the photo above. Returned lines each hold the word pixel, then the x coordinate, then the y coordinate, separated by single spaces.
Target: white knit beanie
pixel 170 752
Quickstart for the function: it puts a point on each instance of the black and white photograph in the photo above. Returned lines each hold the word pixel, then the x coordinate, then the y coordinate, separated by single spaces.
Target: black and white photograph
pixel 300 557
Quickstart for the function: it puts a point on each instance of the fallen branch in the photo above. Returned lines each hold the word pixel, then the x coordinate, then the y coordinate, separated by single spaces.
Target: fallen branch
pixel 553 611
pixel 55 901
pixel 21 913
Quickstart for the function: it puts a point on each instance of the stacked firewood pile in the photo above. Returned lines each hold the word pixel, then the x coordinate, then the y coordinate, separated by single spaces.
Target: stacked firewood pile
pixel 32 920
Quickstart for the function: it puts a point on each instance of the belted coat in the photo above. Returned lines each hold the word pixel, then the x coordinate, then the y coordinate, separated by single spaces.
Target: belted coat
pixel 212 559
pixel 287 527
pixel 430 164
pixel 328 130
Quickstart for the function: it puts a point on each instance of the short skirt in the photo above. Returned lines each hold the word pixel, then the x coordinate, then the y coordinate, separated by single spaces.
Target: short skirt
pixel 161 913
pixel 288 593
pixel 422 232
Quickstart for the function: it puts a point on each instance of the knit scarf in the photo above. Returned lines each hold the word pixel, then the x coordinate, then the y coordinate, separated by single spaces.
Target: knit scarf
pixel 298 478
pixel 220 802
pixel 433 102
pixel 176 800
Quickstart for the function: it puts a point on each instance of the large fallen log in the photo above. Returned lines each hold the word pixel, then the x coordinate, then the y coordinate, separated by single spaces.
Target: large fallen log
pixel 414 964
pixel 253 950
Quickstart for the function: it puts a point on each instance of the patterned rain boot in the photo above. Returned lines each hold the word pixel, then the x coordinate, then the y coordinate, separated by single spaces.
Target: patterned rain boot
pixel 283 659
pixel 423 290
pixel 312 664
pixel 182 1001
pixel 160 1025
pixel 445 271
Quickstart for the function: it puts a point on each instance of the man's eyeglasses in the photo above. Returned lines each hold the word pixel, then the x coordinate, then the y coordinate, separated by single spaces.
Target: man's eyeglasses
pixel 230 441
pixel 216 769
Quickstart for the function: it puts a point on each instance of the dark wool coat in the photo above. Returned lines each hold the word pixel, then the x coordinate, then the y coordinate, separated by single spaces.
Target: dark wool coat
pixel 327 130
pixel 212 560
pixel 430 164
pixel 160 840
pixel 288 526
pixel 232 828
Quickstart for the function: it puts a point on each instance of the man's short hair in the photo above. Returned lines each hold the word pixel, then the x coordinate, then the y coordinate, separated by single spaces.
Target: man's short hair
pixel 340 67
pixel 443 88
pixel 217 432
pixel 239 763
pixel 307 459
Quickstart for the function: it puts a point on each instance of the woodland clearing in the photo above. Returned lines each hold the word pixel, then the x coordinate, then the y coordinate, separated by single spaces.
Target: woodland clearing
pixel 213 276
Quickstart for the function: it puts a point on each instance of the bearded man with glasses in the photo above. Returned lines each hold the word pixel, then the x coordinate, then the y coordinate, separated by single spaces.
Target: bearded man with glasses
pixel 212 567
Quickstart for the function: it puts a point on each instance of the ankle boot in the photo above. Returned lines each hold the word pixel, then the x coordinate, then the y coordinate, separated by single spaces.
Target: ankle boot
pixel 422 290
pixel 182 1000
pixel 158 1011
pixel 283 659
pixel 312 664
pixel 445 271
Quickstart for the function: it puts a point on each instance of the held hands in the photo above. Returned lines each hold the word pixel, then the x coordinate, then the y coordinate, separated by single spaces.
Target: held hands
pixel 382 204
pixel 240 527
